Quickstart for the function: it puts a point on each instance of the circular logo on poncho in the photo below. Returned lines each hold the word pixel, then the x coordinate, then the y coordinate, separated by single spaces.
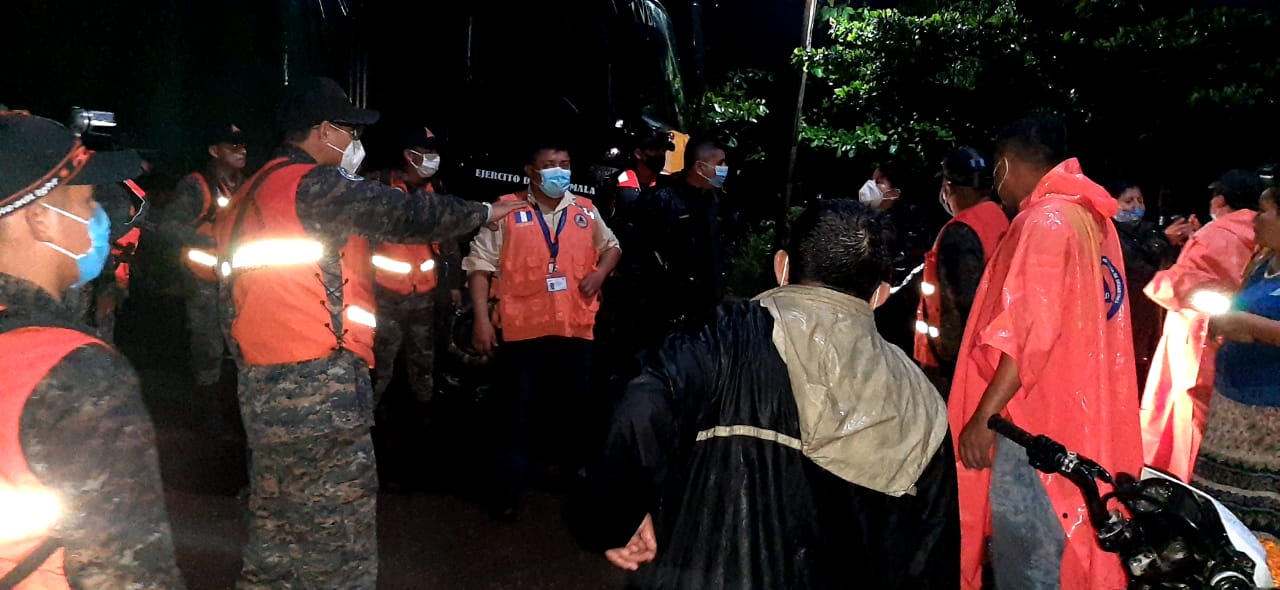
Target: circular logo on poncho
pixel 1112 288
pixel 580 220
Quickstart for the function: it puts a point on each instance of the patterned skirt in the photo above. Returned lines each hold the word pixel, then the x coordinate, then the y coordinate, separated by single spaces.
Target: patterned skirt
pixel 1239 461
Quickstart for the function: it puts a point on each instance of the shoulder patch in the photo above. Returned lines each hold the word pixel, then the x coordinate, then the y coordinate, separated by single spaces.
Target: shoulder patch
pixel 348 175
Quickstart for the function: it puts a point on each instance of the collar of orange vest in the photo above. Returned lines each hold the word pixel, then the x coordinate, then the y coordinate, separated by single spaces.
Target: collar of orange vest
pixel 22 296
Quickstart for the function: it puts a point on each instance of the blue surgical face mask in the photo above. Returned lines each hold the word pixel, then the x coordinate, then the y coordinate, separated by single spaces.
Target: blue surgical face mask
pixel 555 181
pixel 1130 215
pixel 721 173
pixel 89 263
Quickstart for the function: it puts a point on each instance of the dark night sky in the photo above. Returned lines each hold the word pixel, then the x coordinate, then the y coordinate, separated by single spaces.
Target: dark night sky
pixel 170 67
pixel 167 65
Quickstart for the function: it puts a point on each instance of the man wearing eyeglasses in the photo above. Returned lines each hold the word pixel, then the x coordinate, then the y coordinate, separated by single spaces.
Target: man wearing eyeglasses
pixel 294 252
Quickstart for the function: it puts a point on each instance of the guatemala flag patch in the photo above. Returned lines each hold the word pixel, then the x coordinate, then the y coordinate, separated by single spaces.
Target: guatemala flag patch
pixel 523 217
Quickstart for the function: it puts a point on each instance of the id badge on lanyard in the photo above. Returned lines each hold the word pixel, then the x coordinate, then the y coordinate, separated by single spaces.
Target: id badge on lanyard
pixel 556 281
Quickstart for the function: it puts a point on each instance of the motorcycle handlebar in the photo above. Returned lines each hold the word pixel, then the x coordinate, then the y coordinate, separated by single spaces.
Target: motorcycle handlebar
pixel 1010 431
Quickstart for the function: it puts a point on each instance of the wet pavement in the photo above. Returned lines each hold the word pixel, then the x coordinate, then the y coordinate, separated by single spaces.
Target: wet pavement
pixel 434 537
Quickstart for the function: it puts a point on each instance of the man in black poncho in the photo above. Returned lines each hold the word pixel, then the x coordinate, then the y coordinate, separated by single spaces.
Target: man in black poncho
pixel 786 445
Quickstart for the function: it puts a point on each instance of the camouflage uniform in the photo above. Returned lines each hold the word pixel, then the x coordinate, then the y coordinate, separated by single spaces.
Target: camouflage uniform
pixel 313 483
pixel 95 303
pixel 407 325
pixel 178 226
pixel 86 434
pixel 405 322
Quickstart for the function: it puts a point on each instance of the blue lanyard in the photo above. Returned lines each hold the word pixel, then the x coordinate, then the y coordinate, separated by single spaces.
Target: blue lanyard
pixel 552 245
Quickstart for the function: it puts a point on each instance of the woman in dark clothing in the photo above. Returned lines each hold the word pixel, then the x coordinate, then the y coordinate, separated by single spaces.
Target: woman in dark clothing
pixel 1146 251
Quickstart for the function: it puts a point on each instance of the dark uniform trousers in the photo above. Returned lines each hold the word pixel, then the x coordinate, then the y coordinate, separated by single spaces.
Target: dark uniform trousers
pixel 548 406
pixel 312 477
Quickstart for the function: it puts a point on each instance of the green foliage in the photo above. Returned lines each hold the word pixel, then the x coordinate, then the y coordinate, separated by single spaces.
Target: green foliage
pixel 752 269
pixel 911 83
pixel 734 109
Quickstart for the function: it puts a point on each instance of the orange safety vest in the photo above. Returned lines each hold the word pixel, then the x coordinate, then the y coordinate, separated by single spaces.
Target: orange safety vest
pixel 28 509
pixel 282 312
pixel 987 220
pixel 122 249
pixel 406 269
pixel 528 307
pixel 202 262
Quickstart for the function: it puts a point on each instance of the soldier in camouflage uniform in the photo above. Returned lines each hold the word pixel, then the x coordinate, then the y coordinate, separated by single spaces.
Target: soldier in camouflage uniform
pixel 312 477
pixel 75 430
pixel 187 222
pixel 408 301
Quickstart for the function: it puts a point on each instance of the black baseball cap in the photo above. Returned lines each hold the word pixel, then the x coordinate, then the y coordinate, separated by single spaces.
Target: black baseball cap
pixel 37 155
pixel 966 166
pixel 1240 188
pixel 311 101
pixel 224 133
pixel 421 137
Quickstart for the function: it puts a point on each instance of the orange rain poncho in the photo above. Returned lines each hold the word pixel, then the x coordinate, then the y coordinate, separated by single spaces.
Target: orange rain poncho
pixel 1175 403
pixel 1054 299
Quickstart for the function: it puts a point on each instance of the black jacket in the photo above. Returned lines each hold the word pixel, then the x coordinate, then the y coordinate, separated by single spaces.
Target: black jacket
pixel 743 512
pixel 674 268
pixel 1146 251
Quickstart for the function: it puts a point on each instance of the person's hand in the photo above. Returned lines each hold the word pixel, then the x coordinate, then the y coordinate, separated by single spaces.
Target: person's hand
pixel 1235 326
pixel 1181 230
pixel 455 296
pixel 484 338
pixel 502 209
pixel 641 549
pixel 590 285
pixel 977 442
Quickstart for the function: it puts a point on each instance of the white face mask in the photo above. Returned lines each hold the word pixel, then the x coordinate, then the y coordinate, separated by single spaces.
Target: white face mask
pixel 429 166
pixel 352 156
pixel 870 194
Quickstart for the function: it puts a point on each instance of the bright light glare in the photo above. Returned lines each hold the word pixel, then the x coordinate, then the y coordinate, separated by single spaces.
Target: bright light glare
pixel 27 513
pixel 1211 302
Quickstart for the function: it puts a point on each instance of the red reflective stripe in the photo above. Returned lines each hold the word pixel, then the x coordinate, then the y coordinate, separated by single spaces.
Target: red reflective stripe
pixel 137 190
pixel 628 179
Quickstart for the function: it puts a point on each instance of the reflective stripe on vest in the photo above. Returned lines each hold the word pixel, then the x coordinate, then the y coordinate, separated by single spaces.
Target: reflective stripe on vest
pixel 201 262
pixel 405 269
pixel 28 509
pixel 277 272
pixel 528 309
pixel 987 220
